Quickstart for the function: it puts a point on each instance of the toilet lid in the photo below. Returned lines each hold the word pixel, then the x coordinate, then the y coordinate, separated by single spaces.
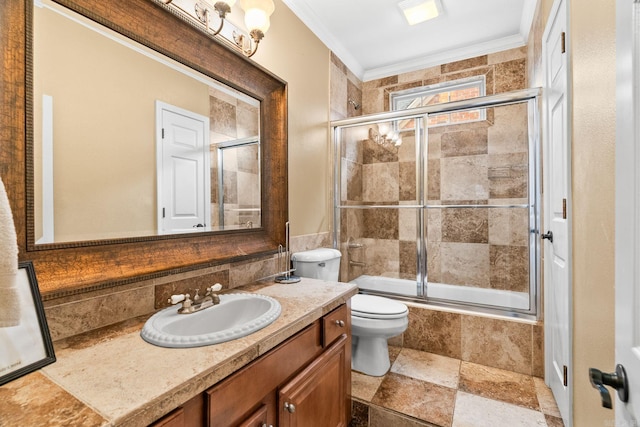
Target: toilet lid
pixel 374 307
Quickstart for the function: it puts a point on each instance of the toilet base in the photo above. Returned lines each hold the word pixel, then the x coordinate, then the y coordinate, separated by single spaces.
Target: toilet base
pixel 370 355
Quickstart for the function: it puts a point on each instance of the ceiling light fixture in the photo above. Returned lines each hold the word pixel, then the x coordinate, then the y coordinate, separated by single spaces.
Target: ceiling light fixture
pixel 417 11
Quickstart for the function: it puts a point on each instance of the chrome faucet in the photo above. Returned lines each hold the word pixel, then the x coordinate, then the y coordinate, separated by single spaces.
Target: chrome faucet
pixel 197 303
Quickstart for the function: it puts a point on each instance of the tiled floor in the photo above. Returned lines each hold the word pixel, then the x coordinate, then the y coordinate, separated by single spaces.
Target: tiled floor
pixel 426 389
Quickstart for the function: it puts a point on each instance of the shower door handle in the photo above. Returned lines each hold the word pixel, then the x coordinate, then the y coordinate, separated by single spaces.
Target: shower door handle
pixel 548 235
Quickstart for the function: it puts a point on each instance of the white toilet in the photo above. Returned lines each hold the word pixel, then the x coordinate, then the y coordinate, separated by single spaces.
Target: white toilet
pixel 373 319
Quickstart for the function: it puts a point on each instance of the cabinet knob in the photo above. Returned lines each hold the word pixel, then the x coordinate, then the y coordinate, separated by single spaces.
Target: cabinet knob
pixel 340 323
pixel 290 407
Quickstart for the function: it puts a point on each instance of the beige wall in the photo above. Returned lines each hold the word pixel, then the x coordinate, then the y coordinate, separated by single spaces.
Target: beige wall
pixel 291 51
pixel 99 86
pixel 592 48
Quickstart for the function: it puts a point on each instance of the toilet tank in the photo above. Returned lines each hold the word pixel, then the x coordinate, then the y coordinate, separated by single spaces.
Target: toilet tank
pixel 321 263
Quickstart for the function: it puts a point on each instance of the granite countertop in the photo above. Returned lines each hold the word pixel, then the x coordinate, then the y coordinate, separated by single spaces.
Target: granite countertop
pixel 112 377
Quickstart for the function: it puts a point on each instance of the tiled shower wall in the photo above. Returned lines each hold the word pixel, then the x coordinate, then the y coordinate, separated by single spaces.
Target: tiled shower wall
pixel 481 163
pixel 484 162
pixel 233 119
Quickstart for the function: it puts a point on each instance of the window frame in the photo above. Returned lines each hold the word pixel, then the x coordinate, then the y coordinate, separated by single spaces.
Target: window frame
pixel 438 88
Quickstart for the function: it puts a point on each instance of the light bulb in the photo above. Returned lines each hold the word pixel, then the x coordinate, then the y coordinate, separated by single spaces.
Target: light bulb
pixel 383 128
pixel 256 19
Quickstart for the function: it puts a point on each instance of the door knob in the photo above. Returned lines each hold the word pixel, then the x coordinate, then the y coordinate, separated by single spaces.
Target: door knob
pixel 617 380
pixel 548 235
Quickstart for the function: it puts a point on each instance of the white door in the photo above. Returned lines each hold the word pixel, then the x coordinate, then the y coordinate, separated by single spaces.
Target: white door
pixel 627 209
pixel 557 251
pixel 184 182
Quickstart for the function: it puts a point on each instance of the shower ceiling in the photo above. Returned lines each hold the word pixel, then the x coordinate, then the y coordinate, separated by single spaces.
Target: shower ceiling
pixel 373 39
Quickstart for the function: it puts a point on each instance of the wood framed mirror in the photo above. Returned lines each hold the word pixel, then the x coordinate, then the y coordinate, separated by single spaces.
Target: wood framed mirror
pixel 74 267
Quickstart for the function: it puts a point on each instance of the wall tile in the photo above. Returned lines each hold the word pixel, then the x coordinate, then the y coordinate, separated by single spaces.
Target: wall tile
pixel 509 226
pixel 407 184
pixel 407 230
pixel 338 96
pixel 508 176
pixel 509 267
pixel 408 261
pixel 497 343
pixel 381 223
pixel 380 182
pixel 72 318
pixel 434 331
pixel 511 75
pixel 464 178
pixel 372 100
pixel 464 143
pixel 434 261
pixel 509 133
pixel 188 286
pixel 465 264
pixel 537 368
pixel 381 257
pixel 353 181
pixel 507 55
pixel 451 67
pixel 433 179
pixel 376 153
pixel 225 117
pixel 424 74
pixel 465 225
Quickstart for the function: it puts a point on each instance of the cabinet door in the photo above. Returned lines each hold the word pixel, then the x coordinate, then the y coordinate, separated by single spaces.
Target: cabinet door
pixel 317 396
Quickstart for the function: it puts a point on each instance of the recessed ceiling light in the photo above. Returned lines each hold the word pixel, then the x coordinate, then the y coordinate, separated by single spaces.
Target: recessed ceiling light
pixel 417 11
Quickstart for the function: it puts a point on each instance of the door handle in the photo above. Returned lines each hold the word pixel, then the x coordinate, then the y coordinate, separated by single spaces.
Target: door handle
pixel 617 380
pixel 547 235
pixel 198 226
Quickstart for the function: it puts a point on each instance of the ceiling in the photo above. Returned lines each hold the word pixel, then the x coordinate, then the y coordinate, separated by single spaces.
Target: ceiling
pixel 373 39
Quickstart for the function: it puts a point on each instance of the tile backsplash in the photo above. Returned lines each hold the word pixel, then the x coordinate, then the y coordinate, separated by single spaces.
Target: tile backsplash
pixel 73 315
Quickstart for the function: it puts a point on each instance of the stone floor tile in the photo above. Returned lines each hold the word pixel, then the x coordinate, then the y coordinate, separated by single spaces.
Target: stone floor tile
pixel 547 402
pixel 364 386
pixel 477 411
pixel 498 384
pixel 430 367
pixel 419 399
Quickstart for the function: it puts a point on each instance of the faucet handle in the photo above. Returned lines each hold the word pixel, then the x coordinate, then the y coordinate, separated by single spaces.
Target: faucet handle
pixel 215 288
pixel 176 299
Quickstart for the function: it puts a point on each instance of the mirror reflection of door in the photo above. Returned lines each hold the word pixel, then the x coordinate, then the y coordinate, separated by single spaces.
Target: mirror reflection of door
pixel 238 191
pixel 184 194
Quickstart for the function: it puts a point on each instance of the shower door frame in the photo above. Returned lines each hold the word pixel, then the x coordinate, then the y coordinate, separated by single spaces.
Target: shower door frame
pixel 421 115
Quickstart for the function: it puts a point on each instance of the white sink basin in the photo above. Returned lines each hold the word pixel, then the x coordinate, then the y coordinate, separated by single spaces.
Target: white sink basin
pixel 236 316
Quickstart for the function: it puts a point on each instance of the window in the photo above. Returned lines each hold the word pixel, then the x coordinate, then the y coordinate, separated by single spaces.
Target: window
pixel 456 90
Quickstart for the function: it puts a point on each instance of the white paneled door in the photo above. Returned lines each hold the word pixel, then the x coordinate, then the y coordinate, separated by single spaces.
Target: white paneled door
pixel 627 280
pixel 184 181
pixel 557 250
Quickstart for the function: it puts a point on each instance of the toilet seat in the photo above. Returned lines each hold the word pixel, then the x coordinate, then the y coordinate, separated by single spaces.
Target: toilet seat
pixel 374 307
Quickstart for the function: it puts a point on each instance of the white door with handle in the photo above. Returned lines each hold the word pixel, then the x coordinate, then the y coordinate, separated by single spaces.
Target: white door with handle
pixel 557 250
pixel 183 168
pixel 627 252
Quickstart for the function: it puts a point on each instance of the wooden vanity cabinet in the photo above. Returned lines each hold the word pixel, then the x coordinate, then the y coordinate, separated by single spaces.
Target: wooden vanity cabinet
pixel 311 371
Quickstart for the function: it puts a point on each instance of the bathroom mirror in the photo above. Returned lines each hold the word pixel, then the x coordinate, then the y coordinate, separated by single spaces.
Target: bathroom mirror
pixel 82 264
pixel 124 137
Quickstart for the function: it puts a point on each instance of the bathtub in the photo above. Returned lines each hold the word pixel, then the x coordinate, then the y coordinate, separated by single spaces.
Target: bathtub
pixel 441 291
